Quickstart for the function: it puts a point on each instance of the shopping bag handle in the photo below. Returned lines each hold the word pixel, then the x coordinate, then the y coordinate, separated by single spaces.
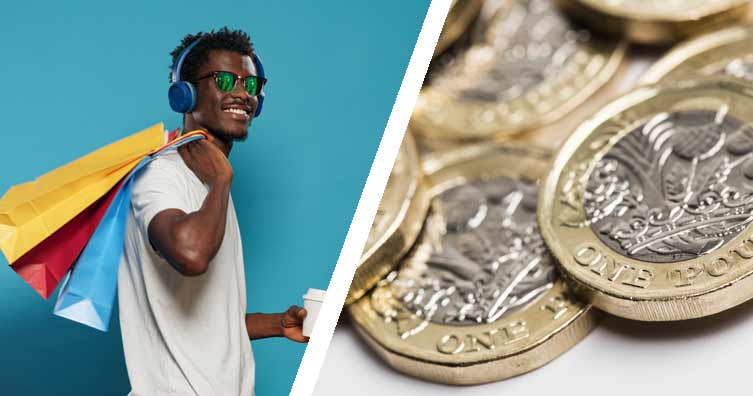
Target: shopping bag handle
pixel 182 137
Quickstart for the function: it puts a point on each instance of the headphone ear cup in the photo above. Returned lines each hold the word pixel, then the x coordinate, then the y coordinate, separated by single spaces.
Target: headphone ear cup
pixel 182 96
pixel 258 108
pixel 260 73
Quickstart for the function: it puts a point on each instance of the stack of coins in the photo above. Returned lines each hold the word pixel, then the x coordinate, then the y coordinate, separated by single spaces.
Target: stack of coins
pixel 563 161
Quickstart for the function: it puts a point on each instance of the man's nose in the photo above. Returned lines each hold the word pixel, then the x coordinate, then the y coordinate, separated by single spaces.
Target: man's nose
pixel 239 92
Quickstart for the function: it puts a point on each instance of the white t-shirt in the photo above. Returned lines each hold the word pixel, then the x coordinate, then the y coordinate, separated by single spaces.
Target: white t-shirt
pixel 181 335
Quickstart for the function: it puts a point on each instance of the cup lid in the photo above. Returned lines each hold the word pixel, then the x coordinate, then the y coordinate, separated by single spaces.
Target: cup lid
pixel 315 294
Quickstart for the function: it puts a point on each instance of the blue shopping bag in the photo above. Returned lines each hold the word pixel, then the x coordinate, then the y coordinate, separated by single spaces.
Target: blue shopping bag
pixel 88 291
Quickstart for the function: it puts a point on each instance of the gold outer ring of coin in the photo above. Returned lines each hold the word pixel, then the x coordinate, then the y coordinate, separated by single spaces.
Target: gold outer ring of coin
pixel 462 13
pixel 408 212
pixel 621 285
pixel 640 24
pixel 473 354
pixel 443 116
pixel 704 55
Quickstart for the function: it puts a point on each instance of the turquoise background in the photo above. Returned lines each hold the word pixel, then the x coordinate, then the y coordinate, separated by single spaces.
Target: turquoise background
pixel 78 75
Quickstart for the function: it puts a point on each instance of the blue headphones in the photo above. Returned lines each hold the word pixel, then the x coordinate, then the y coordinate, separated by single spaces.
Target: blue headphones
pixel 182 94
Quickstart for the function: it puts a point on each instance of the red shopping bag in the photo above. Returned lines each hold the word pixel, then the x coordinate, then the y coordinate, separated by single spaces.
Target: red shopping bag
pixel 45 265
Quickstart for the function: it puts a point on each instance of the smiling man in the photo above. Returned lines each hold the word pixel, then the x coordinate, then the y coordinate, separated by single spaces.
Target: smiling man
pixel 181 285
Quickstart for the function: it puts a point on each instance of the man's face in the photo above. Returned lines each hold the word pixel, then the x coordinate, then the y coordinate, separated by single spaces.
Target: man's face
pixel 213 105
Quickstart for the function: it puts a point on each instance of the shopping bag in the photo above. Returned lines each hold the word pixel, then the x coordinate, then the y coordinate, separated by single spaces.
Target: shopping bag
pixel 31 212
pixel 33 222
pixel 84 298
pixel 45 265
pixel 88 292
pixel 115 154
pixel 105 159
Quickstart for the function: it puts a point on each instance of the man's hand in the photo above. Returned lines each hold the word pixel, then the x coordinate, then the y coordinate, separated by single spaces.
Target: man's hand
pixel 207 161
pixel 292 324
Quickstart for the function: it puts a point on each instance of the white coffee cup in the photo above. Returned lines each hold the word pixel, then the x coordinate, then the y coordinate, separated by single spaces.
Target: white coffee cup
pixel 312 301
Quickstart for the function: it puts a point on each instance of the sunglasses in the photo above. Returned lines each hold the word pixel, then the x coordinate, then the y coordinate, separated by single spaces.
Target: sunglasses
pixel 226 82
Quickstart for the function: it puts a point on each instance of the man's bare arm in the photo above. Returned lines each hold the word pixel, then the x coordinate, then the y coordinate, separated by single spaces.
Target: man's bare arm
pixel 190 241
pixel 288 324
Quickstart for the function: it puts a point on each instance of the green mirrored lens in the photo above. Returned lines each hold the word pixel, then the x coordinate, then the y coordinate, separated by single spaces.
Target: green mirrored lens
pixel 252 85
pixel 225 81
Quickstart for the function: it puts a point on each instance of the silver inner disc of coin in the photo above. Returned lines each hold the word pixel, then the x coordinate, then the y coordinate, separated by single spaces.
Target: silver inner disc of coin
pixel 480 256
pixel 528 42
pixel 675 188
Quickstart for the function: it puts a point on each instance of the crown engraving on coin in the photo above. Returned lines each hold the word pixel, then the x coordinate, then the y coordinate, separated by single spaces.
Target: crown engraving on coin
pixel 480 258
pixel 675 188
pixel 531 43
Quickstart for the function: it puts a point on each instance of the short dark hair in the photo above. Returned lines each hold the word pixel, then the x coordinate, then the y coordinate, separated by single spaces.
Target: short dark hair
pixel 223 39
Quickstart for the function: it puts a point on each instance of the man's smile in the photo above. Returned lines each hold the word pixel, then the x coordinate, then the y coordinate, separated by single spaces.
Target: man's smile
pixel 238 112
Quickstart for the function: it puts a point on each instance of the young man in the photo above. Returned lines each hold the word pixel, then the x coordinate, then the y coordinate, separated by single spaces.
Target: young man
pixel 181 285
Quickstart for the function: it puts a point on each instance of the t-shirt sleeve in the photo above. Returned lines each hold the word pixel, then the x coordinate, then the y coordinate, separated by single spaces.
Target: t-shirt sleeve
pixel 158 187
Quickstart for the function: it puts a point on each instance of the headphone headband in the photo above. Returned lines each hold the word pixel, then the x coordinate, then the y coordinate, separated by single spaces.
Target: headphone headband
pixel 181 58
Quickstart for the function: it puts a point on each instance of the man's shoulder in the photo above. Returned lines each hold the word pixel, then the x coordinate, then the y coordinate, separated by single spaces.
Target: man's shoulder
pixel 167 166
pixel 169 160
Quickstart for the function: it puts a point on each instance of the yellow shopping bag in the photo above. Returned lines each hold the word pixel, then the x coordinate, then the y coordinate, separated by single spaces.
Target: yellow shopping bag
pixel 112 156
pixel 30 212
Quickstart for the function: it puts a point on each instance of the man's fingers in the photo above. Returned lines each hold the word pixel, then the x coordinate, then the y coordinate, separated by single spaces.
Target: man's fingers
pixel 190 147
pixel 206 148
pixel 186 152
pixel 200 145
pixel 294 316
pixel 202 149
pixel 293 320
pixel 299 338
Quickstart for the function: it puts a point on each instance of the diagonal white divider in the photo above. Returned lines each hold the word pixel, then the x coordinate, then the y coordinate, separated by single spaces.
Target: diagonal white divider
pixel 355 240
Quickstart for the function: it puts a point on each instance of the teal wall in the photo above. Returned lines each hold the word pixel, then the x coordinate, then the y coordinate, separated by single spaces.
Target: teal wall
pixel 75 76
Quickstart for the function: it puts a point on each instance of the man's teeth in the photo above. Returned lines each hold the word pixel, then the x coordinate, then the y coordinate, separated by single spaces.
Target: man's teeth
pixel 236 111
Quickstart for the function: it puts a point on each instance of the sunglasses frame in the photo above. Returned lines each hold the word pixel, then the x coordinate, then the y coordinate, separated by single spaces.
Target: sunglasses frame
pixel 261 81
